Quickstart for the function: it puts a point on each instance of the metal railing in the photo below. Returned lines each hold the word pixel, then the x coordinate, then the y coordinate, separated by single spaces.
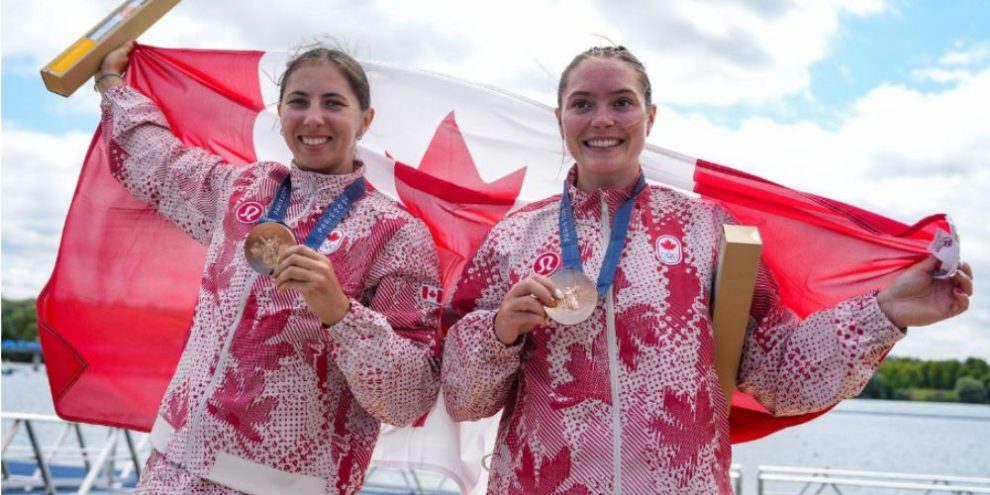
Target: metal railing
pixel 817 481
pixel 735 474
pixel 114 464
pixel 97 463
pixel 46 452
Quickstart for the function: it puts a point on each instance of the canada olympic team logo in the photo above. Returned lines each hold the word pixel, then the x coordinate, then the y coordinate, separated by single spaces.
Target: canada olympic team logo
pixel 332 242
pixel 546 264
pixel 669 250
pixel 249 212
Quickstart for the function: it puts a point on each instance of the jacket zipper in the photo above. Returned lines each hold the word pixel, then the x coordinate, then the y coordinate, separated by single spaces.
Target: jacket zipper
pixel 225 351
pixel 613 367
pixel 221 364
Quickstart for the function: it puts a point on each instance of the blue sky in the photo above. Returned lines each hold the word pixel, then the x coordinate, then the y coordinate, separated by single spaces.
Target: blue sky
pixel 879 104
pixel 867 52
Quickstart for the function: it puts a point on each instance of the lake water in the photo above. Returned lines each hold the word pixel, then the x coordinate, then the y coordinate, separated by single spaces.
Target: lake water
pixel 869 435
pixel 874 435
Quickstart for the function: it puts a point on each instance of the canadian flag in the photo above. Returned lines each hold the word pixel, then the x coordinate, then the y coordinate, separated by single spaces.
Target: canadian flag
pixel 114 316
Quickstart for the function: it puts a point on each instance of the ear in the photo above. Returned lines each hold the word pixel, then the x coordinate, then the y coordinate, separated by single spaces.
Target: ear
pixel 650 118
pixel 560 125
pixel 366 118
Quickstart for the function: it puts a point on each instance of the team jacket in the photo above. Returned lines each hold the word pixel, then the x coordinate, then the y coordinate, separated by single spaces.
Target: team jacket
pixel 264 399
pixel 628 401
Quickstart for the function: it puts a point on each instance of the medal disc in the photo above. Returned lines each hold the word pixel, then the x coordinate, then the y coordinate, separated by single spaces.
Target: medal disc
pixel 263 244
pixel 577 297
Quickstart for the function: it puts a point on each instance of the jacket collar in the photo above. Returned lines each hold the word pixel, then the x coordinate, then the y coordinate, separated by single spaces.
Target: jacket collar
pixel 589 203
pixel 323 187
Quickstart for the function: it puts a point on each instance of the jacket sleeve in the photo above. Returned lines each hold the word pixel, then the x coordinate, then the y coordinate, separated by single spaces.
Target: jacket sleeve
pixel 479 372
pixel 389 348
pixel 182 183
pixel 793 366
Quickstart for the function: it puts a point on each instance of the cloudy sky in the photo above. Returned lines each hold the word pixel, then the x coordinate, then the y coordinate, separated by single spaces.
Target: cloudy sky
pixel 880 104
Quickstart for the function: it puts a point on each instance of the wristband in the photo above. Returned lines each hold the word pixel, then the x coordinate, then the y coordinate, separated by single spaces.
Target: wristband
pixel 103 76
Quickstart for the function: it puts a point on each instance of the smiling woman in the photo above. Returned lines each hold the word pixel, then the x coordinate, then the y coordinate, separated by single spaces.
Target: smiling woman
pixel 324 107
pixel 609 385
pixel 298 350
pixel 605 118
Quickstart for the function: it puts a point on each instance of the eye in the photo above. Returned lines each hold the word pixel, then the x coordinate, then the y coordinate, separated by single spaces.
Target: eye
pixel 297 102
pixel 624 103
pixel 334 104
pixel 581 105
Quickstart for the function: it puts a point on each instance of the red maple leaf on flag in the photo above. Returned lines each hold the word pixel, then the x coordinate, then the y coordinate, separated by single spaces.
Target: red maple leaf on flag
pixel 668 244
pixel 448 193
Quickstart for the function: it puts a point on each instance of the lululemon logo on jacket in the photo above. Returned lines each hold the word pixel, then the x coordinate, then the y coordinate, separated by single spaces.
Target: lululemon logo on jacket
pixel 546 264
pixel 669 250
pixel 249 212
pixel 332 242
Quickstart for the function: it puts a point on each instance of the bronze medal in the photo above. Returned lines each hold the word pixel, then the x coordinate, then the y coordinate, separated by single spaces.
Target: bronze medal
pixel 576 297
pixel 263 244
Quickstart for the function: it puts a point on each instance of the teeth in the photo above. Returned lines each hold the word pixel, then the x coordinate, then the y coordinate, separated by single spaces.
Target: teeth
pixel 602 143
pixel 313 141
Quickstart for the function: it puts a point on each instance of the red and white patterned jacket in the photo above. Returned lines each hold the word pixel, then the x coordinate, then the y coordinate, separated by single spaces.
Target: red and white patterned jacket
pixel 264 399
pixel 628 401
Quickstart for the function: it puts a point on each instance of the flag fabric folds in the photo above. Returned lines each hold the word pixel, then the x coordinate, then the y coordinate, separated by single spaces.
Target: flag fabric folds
pixel 114 316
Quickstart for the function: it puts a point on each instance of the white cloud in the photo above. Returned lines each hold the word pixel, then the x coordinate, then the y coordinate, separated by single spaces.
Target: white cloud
pixel 971 55
pixel 940 75
pixel 955 65
pixel 720 53
pixel 37 179
pixel 699 52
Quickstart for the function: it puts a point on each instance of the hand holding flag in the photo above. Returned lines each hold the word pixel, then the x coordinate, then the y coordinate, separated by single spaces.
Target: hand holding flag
pixel 916 298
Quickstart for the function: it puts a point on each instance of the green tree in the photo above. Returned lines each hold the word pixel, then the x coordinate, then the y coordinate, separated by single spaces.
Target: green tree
pixel 875 388
pixel 971 390
pixel 20 321
pixel 976 368
pixel 929 375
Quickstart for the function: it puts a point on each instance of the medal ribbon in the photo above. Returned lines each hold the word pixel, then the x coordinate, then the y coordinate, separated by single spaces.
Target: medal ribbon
pixel 616 241
pixel 330 218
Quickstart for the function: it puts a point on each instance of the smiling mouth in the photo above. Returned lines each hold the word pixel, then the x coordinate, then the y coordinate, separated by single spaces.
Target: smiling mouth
pixel 603 143
pixel 314 141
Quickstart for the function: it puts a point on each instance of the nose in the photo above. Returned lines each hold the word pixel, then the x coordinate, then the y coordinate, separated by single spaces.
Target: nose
pixel 314 116
pixel 602 117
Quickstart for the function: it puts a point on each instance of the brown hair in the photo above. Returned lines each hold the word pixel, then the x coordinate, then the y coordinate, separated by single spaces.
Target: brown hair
pixel 616 52
pixel 356 78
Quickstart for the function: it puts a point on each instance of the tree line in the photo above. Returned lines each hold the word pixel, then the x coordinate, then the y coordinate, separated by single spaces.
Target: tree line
pixel 942 381
pixel 20 322
pixel 896 379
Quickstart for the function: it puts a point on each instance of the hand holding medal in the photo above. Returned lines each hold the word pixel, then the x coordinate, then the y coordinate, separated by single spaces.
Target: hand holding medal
pixel 575 296
pixel 311 274
pixel 270 249
pixel 524 308
pixel 264 245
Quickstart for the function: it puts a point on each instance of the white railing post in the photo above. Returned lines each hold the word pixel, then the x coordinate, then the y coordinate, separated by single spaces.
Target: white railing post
pixel 46 475
pixel 100 463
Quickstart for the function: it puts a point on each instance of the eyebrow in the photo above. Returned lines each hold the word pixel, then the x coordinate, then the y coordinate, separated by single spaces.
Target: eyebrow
pixel 613 93
pixel 324 95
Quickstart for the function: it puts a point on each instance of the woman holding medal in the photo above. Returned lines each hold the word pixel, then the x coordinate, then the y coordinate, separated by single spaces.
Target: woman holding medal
pixel 616 392
pixel 309 330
